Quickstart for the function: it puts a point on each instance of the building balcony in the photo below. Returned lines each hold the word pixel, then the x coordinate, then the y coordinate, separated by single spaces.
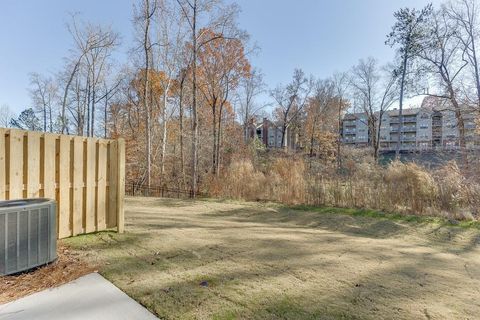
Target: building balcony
pixel 405 120
pixel 403 138
pixel 404 129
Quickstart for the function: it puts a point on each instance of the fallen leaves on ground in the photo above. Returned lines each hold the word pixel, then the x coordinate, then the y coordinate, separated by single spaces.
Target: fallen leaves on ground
pixel 66 268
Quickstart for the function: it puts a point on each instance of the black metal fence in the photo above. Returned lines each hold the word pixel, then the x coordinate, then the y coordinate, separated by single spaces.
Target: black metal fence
pixel 133 189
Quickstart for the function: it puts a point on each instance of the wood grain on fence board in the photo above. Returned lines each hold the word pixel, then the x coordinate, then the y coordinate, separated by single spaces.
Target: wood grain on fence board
pixel 112 185
pixel 101 200
pixel 15 161
pixel 85 175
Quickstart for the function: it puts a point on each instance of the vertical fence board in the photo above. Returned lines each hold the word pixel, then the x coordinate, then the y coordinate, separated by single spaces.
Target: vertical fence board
pixel 120 185
pixel 15 175
pixel 64 187
pixel 49 166
pixel 85 175
pixel 77 213
pixel 33 164
pixel 3 168
pixel 101 201
pixel 112 185
pixel 89 170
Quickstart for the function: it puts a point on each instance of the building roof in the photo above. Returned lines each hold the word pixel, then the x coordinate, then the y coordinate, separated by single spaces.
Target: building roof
pixel 429 104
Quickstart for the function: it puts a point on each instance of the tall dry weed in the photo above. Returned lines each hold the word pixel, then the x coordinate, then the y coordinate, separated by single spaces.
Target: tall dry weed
pixel 398 187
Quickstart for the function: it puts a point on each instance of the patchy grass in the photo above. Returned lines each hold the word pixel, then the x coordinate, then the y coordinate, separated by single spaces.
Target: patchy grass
pixel 234 260
pixel 391 216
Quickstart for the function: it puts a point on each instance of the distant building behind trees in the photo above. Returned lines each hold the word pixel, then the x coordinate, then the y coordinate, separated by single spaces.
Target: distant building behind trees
pixel 433 125
pixel 270 134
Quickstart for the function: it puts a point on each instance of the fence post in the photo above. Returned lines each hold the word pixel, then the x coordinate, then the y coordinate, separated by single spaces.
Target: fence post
pixel 120 185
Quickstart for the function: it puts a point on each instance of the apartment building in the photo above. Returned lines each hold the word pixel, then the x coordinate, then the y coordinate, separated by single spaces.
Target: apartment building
pixel 431 126
pixel 270 134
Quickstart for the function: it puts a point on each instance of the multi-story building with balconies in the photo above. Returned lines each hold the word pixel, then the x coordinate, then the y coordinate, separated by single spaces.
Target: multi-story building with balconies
pixel 432 126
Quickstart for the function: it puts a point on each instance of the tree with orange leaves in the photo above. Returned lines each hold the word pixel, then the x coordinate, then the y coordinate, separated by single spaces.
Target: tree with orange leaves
pixel 222 63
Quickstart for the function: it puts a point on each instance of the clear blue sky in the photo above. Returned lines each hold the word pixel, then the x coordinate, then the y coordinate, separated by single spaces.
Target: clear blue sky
pixel 319 36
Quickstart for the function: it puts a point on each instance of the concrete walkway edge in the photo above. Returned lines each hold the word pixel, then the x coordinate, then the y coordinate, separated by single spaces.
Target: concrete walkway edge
pixel 88 297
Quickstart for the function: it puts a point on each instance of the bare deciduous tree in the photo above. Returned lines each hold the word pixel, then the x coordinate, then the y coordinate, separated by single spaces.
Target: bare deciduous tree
pixel 443 53
pixel 44 96
pixel 465 14
pixel 250 88
pixel 143 21
pixel 376 94
pixel 290 101
pixel 5 116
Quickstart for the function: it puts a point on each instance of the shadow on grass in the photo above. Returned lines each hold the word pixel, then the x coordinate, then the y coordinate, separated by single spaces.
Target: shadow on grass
pixel 242 291
pixel 274 264
pixel 287 217
pixel 163 202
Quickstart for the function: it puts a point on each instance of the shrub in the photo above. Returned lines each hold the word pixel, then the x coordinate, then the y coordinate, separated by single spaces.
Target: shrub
pixel 410 187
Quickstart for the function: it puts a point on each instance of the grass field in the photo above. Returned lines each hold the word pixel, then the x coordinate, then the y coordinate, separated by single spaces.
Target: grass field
pixel 232 260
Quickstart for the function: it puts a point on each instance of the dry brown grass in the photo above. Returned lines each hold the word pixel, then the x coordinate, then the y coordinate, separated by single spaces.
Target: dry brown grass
pixel 398 187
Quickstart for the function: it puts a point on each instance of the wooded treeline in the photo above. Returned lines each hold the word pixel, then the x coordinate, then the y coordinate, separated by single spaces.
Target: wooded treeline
pixel 185 98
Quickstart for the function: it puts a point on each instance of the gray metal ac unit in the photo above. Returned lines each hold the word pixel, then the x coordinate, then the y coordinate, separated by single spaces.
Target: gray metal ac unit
pixel 28 234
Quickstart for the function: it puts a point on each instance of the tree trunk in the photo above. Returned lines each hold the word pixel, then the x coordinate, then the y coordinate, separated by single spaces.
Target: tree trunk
pixel 105 116
pixel 88 105
pixel 475 66
pixel 284 132
pixel 377 142
pixel 460 124
pixel 164 138
pixel 219 137
pixel 50 117
pixel 146 47
pixel 339 135
pixel 92 126
pixel 65 94
pixel 400 109
pixel 194 102
pixel 182 157
pixel 214 133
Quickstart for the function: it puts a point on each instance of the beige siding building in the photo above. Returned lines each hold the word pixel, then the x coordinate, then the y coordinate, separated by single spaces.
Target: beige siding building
pixel 432 126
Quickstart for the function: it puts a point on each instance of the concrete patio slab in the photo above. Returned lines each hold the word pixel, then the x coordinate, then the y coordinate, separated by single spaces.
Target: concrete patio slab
pixel 89 297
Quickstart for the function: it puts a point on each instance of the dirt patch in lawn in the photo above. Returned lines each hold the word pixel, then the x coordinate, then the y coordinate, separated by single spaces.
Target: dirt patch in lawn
pixel 66 268
pixel 232 260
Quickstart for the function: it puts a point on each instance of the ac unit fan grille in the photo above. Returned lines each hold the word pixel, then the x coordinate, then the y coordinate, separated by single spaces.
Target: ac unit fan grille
pixel 27 237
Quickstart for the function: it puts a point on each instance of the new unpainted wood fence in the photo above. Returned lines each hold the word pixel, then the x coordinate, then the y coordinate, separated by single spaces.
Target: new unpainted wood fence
pixel 86 176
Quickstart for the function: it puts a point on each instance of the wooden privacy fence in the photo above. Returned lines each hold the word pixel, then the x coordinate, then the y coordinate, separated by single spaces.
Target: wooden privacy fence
pixel 86 176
